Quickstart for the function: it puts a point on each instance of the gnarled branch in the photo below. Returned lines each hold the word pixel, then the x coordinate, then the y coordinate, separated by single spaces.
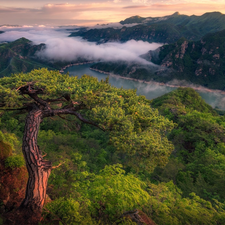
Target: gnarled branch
pixel 60 164
pixel 71 111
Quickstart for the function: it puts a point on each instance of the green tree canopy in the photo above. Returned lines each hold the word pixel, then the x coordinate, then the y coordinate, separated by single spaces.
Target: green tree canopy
pixel 135 129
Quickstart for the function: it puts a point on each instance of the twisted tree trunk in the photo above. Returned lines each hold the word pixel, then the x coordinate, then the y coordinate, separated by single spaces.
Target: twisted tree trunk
pixel 38 169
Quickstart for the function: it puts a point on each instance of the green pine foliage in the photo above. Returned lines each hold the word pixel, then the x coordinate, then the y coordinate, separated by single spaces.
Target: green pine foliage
pixel 130 165
pixel 197 163
pixel 167 206
pixel 134 128
pixel 16 161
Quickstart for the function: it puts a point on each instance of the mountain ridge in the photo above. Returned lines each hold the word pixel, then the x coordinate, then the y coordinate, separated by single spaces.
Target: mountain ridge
pixel 199 62
pixel 167 29
pixel 19 56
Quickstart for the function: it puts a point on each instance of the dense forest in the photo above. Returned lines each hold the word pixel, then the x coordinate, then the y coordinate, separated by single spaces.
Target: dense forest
pixel 164 159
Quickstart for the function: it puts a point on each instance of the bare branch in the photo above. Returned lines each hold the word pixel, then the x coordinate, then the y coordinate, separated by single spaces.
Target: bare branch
pixel 71 111
pixel 29 89
pixel 60 164
pixel 80 117
pixel 33 93
pixel 39 100
pixel 67 97
pixel 65 118
pixel 25 97
pixel 27 84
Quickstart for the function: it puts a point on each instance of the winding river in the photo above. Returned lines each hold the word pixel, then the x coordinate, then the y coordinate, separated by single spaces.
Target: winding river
pixel 150 90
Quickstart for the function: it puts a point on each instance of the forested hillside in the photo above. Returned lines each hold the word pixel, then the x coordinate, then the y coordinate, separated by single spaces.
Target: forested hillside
pixel 19 56
pixel 164 157
pixel 167 29
pixel 199 62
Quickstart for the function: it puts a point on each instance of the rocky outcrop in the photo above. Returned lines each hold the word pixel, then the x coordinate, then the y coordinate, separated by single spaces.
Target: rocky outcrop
pixel 182 50
pixel 12 181
pixel 199 62
pixel 12 186
pixel 138 217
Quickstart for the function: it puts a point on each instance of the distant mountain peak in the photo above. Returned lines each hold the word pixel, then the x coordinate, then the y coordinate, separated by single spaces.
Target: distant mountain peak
pixel 133 19
pixel 137 16
pixel 215 12
pixel 176 14
pixel 22 39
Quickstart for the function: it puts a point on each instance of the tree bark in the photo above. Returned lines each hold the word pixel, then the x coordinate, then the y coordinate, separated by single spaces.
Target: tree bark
pixel 38 169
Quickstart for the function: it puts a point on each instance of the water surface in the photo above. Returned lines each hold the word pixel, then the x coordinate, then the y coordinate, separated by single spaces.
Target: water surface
pixel 151 91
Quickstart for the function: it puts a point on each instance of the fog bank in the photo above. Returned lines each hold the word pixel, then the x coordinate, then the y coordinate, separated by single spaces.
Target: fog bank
pixel 60 47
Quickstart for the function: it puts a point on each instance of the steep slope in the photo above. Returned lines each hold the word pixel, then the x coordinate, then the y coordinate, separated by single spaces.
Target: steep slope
pixel 132 70
pixel 200 62
pixel 165 29
pixel 197 163
pixel 182 101
pixel 19 56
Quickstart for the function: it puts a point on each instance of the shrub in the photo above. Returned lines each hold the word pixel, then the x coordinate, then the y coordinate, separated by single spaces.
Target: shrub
pixel 14 161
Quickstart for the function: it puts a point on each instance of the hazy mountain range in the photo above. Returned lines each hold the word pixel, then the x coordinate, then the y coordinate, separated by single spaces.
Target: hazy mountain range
pixel 200 62
pixel 166 29
pixel 22 56
pixel 19 56
pixel 194 53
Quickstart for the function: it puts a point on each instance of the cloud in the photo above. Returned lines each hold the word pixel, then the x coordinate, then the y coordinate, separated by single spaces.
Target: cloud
pixel 88 12
pixel 60 47
pixel 69 49
pixel 140 1
pixel 36 34
pixel 112 25
pixel 58 14
pixel 135 7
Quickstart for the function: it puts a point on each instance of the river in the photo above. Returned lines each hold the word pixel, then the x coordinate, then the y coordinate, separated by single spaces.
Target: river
pixel 150 90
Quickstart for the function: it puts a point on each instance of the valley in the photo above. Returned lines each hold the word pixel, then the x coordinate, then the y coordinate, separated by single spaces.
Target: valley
pixel 151 89
pixel 113 124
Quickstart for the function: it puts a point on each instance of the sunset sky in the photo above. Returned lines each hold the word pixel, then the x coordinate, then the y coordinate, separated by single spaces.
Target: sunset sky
pixel 91 12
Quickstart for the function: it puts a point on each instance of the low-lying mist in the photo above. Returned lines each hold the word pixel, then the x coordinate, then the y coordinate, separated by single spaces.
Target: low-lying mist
pixel 60 47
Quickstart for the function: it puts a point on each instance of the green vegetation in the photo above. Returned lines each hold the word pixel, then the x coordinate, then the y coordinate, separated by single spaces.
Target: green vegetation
pixel 133 19
pixel 16 161
pixel 130 165
pixel 199 62
pixel 121 68
pixel 197 164
pixel 166 29
pixel 19 56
